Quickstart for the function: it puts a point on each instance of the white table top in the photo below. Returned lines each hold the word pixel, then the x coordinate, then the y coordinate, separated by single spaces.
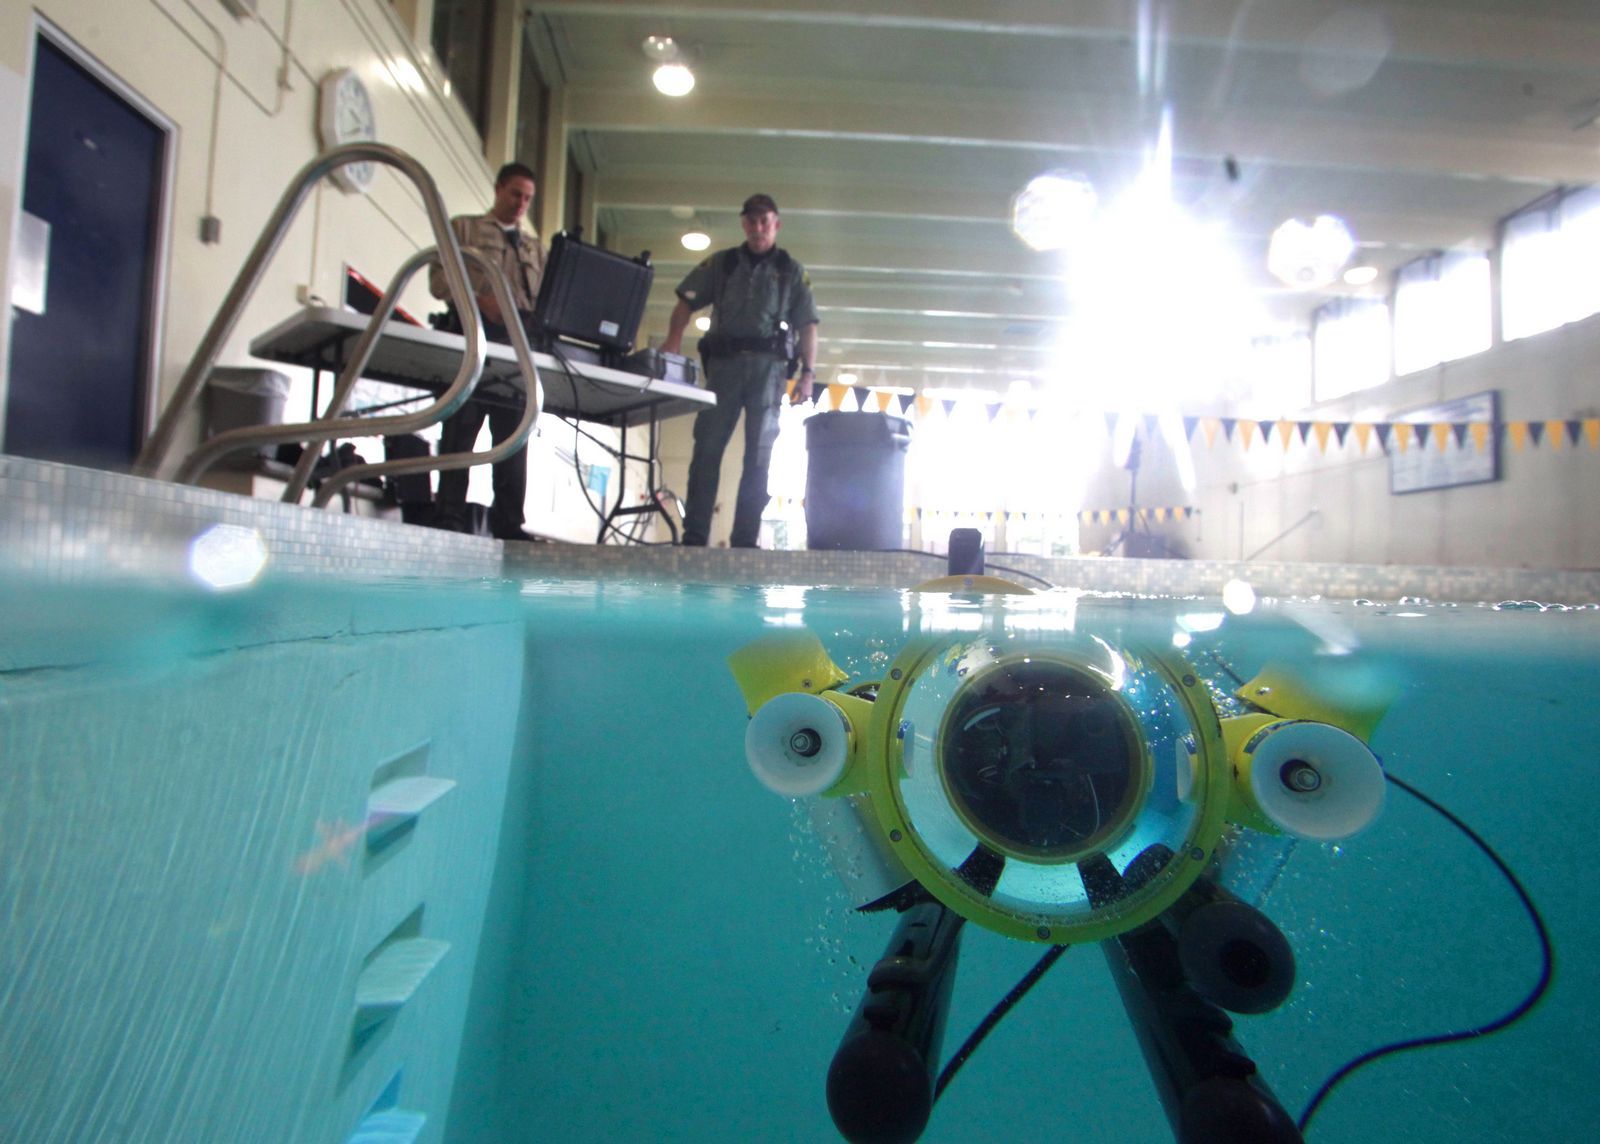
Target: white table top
pixel 322 337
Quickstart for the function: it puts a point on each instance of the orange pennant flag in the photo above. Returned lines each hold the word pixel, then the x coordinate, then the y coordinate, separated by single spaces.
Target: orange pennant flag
pixel 1285 433
pixel 923 404
pixel 836 395
pixel 1402 435
pixel 1321 429
pixel 1557 432
pixel 1247 432
pixel 1591 431
pixel 1480 434
pixel 1518 430
pixel 1209 426
pixel 1441 434
pixel 1363 433
pixel 788 389
pixel 885 399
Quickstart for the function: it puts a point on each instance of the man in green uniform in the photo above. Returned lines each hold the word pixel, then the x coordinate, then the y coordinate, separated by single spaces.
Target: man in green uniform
pixel 763 318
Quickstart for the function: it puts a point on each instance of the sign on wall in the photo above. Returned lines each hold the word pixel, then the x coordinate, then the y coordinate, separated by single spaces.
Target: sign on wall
pixel 1459 456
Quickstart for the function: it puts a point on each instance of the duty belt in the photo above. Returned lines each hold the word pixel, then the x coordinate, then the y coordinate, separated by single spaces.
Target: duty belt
pixel 717 345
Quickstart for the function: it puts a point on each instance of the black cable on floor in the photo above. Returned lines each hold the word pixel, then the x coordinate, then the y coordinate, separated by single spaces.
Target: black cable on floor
pixel 1546 971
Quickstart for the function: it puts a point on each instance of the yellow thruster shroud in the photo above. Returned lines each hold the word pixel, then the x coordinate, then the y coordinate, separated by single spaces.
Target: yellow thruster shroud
pixel 880 770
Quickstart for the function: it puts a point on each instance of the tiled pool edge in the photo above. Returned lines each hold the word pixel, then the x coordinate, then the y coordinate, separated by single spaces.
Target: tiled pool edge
pixel 70 523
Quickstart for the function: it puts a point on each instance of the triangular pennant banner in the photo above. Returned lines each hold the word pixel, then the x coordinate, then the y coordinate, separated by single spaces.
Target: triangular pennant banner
pixel 1189 424
pixel 1209 426
pixel 994 410
pixel 1382 429
pixel 836 396
pixel 949 404
pixel 1575 430
pixel 1247 431
pixel 1535 432
pixel 861 395
pixel 883 398
pixel 1458 429
pixel 1402 435
pixel 1340 428
pixel 1558 433
pixel 1285 432
pixel 1441 434
pixel 1518 432
pixel 1228 424
pixel 1302 428
pixel 1363 434
pixel 924 405
pixel 1320 430
pixel 1479 431
pixel 1591 431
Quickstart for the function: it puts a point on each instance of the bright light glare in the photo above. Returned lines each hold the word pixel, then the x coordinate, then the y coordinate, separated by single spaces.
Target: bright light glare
pixel 847 379
pixel 1053 210
pixel 1201 621
pixel 227 556
pixel 1238 597
pixel 1309 255
pixel 1361 275
pixel 696 240
pixel 1161 314
pixel 674 80
pixel 703 323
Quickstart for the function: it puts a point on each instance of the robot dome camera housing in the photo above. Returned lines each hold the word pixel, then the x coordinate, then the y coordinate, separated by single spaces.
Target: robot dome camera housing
pixel 1008 772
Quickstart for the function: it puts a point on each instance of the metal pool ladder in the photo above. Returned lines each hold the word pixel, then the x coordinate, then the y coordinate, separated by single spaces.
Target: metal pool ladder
pixel 333 424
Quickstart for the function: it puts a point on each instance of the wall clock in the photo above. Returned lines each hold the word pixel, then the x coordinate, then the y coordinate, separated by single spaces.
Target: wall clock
pixel 344 115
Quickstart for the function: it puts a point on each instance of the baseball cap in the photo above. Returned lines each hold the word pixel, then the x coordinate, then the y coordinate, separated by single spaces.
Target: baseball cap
pixel 756 204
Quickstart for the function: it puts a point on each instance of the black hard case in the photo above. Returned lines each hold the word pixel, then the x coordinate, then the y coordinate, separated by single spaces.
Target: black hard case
pixel 592 295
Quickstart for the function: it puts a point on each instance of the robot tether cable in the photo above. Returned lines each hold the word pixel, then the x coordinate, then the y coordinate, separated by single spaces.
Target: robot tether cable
pixel 1546 971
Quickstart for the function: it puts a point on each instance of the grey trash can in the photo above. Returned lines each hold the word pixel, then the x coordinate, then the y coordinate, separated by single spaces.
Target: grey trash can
pixel 238 396
pixel 856 481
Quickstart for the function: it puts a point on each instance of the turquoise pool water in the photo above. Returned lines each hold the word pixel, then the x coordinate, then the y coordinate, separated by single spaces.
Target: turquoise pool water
pixel 648 945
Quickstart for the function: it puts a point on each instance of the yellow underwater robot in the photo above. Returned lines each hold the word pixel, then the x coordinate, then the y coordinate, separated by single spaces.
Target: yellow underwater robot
pixel 1060 788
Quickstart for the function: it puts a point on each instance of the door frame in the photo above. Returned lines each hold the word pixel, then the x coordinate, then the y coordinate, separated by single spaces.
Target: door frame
pixel 161 239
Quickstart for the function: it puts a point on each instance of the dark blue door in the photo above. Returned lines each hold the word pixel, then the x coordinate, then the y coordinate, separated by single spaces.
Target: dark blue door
pixel 79 371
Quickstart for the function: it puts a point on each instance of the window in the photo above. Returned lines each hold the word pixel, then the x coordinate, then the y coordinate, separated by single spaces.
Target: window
pixel 1550 264
pixel 461 39
pixel 1442 310
pixel 1350 347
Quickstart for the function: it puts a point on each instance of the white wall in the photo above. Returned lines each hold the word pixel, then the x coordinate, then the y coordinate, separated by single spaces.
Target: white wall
pixel 1535 516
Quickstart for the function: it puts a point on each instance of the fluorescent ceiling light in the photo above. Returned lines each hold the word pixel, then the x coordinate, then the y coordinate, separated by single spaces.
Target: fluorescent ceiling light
pixel 696 240
pixel 1360 275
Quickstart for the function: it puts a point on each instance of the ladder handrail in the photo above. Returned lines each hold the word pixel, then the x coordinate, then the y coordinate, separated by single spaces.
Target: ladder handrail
pixel 154 454
pixel 532 407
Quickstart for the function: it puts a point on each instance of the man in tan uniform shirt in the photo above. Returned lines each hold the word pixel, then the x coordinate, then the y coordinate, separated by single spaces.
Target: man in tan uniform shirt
pixel 503 237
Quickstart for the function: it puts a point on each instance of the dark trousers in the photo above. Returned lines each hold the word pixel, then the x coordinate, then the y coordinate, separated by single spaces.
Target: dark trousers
pixel 745 384
pixel 459 435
